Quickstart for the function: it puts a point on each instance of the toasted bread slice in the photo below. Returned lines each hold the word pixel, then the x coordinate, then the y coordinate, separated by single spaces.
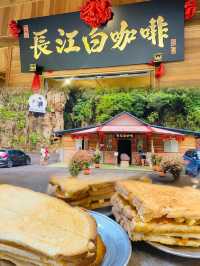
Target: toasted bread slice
pixel 15 260
pixel 157 201
pixel 38 227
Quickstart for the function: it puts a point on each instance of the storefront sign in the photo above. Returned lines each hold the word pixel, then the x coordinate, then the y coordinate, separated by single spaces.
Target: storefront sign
pixel 124 136
pixel 135 34
pixel 37 104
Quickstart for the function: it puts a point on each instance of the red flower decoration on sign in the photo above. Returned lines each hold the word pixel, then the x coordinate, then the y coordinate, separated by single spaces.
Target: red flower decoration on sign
pixel 190 9
pixel 96 13
pixel 14 29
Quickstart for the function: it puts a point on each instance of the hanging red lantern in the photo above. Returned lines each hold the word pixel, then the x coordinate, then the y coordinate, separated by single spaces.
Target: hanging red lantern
pixel 190 9
pixel 159 68
pixel 14 29
pixel 96 13
pixel 160 71
pixel 36 83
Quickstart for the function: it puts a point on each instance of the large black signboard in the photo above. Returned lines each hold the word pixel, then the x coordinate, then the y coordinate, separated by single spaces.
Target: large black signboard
pixel 135 34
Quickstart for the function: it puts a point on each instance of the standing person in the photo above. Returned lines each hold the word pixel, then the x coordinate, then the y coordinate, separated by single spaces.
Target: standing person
pixel 142 157
pixel 42 155
pixel 46 155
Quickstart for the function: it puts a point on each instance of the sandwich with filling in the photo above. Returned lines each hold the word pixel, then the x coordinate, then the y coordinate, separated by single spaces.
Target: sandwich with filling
pixel 90 193
pixel 158 213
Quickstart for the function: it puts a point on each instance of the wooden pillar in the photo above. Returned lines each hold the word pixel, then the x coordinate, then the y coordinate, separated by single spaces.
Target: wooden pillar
pixel 152 145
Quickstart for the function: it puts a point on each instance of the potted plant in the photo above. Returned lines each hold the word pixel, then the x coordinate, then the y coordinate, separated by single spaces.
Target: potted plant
pixel 156 160
pixel 153 161
pixel 86 168
pixel 173 166
pixel 80 161
pixel 97 159
pixel 74 168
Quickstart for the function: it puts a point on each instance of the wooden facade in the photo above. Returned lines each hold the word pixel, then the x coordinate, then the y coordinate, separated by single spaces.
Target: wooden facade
pixel 178 74
pixel 69 147
pixel 130 131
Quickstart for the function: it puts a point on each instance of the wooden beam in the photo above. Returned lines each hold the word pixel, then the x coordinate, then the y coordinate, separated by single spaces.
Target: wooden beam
pixel 6 41
pixel 2 76
pixel 7 3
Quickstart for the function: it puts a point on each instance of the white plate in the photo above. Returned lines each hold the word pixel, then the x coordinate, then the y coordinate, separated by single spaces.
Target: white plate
pixel 186 252
pixel 118 245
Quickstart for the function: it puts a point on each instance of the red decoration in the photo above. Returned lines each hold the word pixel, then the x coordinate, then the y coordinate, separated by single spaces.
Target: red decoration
pixel 160 71
pixel 96 13
pixel 14 29
pixel 36 84
pixel 190 9
pixel 159 68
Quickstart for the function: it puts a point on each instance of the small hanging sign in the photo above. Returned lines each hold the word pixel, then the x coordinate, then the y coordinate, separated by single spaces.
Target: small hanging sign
pixel 37 103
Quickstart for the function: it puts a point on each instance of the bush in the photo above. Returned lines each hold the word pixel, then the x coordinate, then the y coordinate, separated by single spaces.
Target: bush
pixel 74 168
pixel 172 166
pixel 81 160
pixel 97 157
pixel 156 159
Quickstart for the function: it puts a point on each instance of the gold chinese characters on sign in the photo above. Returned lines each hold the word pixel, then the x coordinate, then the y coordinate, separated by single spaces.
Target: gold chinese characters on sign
pixel 66 42
pixel 124 135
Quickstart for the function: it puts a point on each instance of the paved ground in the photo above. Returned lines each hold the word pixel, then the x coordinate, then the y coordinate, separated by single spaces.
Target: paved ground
pixel 36 177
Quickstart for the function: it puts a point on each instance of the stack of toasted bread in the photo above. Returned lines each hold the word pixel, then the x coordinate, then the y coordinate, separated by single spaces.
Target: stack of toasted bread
pixel 157 213
pixel 90 193
pixel 38 230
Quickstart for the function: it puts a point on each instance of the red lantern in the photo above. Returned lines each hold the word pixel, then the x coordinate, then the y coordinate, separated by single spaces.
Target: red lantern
pixel 160 71
pixel 159 68
pixel 36 84
pixel 96 13
pixel 190 9
pixel 14 29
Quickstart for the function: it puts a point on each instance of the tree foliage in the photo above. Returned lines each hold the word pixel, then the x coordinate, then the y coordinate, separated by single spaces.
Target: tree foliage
pixel 178 108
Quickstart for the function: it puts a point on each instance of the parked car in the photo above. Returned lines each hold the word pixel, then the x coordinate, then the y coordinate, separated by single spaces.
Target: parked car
pixel 10 158
pixel 192 161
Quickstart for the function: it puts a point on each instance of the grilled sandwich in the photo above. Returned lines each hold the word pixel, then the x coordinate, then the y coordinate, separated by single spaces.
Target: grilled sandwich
pixel 157 213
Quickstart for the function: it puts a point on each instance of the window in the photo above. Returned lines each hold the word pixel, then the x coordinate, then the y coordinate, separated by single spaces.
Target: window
pixel 19 153
pixel 11 152
pixel 171 146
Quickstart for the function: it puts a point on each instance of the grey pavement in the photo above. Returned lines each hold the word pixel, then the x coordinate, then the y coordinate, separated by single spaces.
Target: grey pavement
pixel 36 177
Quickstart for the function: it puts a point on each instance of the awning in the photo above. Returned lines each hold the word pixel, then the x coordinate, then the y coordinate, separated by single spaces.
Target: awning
pixel 165 132
pixel 126 129
pixel 86 131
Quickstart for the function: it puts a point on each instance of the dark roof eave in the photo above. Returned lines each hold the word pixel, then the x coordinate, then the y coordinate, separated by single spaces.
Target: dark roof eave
pixel 71 130
pixel 182 131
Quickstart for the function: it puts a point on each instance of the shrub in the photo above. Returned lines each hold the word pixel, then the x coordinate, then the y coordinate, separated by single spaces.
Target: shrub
pixel 74 168
pixel 97 157
pixel 81 160
pixel 156 159
pixel 173 166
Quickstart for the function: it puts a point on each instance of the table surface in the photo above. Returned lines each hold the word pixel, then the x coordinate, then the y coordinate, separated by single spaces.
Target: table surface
pixel 145 255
